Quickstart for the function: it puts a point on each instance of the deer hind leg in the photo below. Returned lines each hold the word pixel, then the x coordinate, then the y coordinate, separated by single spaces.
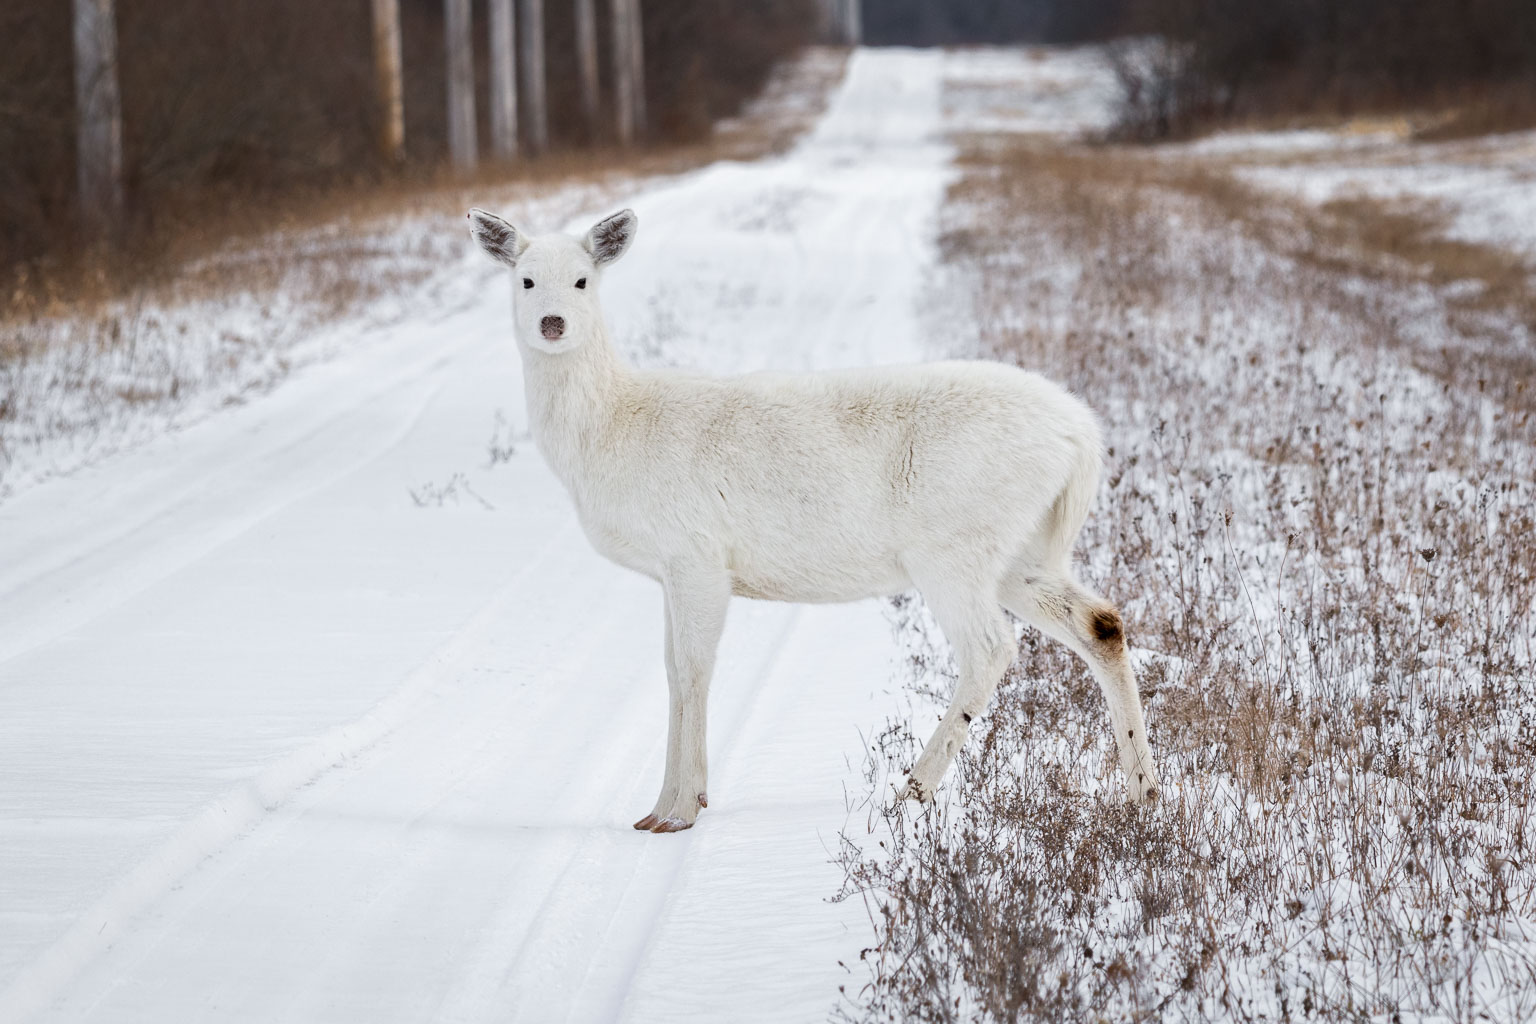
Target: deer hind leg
pixel 983 644
pixel 1065 610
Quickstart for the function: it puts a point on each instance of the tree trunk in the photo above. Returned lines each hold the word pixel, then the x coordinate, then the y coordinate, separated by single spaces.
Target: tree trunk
pixel 586 61
pixel 623 73
pixel 637 62
pixel 461 84
pixel 98 107
pixel 531 15
pixel 503 81
pixel 386 66
pixel 842 21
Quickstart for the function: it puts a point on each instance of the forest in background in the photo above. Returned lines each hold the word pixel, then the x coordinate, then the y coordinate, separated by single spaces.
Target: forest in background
pixel 1469 65
pixel 245 101
pixel 1473 61
pixel 241 103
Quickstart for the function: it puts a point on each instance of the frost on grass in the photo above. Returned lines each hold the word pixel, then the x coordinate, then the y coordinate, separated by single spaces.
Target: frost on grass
pixel 78 384
pixel 1317 519
pixel 503 443
pixel 451 492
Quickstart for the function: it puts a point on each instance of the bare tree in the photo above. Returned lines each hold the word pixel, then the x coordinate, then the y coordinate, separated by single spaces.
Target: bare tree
pixel 842 21
pixel 461 84
pixel 586 61
pixel 503 80
pixel 391 92
pixel 637 62
pixel 531 14
pixel 625 83
pixel 98 105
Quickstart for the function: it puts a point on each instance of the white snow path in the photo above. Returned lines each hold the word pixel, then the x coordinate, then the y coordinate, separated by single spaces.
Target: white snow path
pixel 278 744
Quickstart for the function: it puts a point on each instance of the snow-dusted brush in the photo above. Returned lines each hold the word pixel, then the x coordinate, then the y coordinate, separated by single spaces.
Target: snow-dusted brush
pixel 967 481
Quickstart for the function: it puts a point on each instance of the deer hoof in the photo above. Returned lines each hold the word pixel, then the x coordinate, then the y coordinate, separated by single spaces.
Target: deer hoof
pixel 673 813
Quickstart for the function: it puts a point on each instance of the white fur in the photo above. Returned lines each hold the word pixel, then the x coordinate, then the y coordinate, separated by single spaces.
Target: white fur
pixel 968 481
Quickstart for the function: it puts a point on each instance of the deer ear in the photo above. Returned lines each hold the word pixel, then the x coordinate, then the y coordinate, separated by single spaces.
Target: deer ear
pixel 503 241
pixel 609 238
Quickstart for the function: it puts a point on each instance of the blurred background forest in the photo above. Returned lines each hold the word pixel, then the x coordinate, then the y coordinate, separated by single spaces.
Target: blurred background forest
pixel 244 102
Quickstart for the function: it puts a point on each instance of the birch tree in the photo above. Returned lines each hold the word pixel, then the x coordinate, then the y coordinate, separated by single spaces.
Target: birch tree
pixel 503 80
pixel 99 118
pixel 461 84
pixel 637 63
pixel 586 61
pixel 626 82
pixel 531 15
pixel 623 89
pixel 388 87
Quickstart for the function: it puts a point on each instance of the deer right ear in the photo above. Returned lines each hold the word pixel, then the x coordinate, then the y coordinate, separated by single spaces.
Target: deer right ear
pixel 609 238
pixel 503 241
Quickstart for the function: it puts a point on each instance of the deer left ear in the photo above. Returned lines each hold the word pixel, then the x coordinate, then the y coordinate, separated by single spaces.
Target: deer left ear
pixel 501 240
pixel 610 238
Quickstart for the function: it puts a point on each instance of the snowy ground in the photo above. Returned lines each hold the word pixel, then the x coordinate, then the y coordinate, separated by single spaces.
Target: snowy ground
pixel 1482 190
pixel 322 709
pixel 319 707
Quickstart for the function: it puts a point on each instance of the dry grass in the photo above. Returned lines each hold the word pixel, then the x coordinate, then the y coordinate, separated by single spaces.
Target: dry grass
pixel 1371 260
pixel 1318 519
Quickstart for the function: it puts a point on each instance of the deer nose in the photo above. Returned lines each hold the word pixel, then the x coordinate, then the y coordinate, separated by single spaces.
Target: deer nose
pixel 552 327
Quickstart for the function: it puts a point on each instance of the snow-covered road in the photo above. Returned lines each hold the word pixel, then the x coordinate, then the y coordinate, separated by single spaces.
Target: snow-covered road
pixel 279 743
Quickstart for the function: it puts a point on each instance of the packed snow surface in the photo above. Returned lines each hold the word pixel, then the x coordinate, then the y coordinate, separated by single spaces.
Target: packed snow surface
pixel 322 708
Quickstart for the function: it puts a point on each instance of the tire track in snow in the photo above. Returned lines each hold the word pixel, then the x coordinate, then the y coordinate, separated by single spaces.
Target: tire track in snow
pixel 582 898
pixel 46 596
pixel 237 813
pixel 264 848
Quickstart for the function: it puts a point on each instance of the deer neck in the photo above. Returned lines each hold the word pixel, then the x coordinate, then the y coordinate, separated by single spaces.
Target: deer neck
pixel 570 397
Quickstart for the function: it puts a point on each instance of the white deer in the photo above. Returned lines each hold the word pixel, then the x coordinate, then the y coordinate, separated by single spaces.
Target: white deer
pixel 966 480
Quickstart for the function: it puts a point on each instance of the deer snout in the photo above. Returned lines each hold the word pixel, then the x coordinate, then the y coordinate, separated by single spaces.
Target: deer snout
pixel 552 327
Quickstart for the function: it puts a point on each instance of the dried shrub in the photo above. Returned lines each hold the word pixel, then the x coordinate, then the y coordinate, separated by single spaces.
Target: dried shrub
pixel 1317 521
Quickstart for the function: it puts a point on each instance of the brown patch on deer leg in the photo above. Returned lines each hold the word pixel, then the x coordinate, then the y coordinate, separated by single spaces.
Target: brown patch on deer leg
pixel 1106 627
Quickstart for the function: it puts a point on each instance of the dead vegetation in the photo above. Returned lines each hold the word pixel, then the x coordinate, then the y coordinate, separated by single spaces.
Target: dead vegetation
pixel 1318 519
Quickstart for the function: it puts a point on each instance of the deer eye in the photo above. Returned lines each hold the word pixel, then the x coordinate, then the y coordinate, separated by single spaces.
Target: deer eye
pixel 582 283
pixel 527 282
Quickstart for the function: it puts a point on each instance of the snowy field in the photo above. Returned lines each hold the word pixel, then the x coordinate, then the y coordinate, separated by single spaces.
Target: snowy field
pixel 315 704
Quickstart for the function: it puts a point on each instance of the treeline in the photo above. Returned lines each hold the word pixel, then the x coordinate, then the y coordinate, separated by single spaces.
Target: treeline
pixel 246 99
pixel 1219 60
pixel 1237 59
pixel 951 22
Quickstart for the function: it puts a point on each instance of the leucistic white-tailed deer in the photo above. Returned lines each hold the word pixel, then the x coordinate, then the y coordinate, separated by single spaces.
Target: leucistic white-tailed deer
pixel 966 480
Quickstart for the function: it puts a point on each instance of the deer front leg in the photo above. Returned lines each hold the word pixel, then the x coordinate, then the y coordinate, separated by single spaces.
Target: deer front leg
pixel 696 600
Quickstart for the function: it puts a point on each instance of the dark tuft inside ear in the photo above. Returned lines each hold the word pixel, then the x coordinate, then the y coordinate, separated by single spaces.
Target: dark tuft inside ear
pixel 498 238
pixel 610 238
